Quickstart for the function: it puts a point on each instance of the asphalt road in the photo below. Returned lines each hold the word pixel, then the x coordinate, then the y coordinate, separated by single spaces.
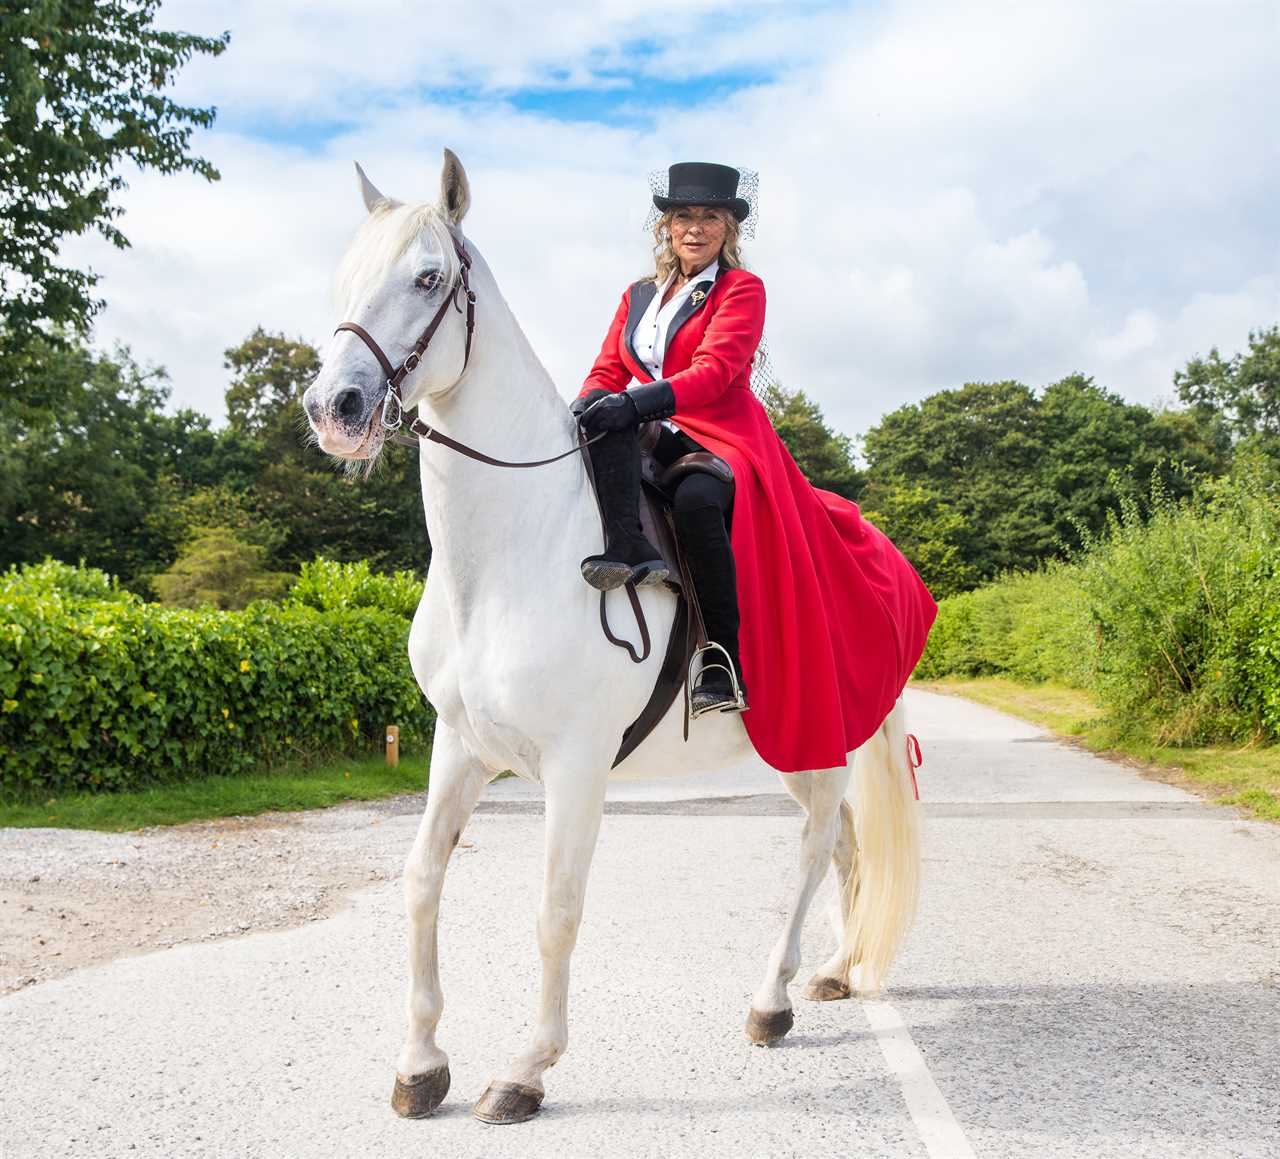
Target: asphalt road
pixel 1095 972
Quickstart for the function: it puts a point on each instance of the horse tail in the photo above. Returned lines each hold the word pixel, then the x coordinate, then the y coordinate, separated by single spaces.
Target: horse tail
pixel 883 884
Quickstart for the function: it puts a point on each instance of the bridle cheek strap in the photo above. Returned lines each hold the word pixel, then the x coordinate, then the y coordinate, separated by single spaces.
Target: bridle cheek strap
pixel 393 406
pixel 393 403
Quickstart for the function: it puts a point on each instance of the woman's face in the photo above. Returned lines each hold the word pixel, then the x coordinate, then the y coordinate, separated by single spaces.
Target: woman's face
pixel 697 233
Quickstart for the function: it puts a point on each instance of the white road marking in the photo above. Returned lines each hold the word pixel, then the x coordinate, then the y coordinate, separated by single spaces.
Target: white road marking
pixel 939 1131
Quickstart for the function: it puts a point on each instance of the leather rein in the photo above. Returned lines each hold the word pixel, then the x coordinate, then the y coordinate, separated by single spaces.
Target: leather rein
pixel 392 417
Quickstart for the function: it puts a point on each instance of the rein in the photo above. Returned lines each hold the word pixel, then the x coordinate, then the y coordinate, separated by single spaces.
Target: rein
pixel 393 416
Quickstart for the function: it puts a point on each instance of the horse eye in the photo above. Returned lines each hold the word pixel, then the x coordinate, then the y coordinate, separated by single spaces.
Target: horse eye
pixel 428 280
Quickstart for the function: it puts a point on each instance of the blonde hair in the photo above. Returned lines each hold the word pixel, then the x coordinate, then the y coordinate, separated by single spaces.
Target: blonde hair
pixel 665 259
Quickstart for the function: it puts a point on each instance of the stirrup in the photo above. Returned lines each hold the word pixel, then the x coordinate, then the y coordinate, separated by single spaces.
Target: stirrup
pixel 738 703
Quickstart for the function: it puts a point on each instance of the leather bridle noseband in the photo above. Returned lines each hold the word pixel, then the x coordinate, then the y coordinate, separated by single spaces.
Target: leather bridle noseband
pixel 393 417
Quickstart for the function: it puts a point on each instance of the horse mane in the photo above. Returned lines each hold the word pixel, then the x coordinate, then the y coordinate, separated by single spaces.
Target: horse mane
pixel 381 241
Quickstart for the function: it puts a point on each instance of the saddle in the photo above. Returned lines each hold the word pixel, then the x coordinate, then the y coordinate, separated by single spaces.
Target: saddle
pixel 688 634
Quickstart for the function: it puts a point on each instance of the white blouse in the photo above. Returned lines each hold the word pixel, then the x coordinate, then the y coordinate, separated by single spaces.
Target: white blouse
pixel 650 337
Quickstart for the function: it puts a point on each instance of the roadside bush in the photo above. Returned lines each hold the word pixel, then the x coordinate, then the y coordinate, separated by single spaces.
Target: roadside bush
pixel 1171 616
pixel 117 694
pixel 1032 626
pixel 1185 600
pixel 327 585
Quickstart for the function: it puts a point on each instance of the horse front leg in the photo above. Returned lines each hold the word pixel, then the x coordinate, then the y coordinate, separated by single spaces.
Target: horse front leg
pixel 820 794
pixel 572 824
pixel 456 782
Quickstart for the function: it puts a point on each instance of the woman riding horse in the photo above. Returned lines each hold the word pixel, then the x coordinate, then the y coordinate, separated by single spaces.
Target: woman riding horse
pixel 836 617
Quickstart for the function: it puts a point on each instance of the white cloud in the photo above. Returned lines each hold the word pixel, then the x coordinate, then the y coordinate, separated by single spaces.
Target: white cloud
pixel 949 192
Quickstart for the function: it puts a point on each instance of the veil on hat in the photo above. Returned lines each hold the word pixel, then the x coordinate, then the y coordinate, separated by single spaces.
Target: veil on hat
pixel 763 379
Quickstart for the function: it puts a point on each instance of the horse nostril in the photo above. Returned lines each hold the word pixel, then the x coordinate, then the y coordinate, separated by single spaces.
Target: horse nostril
pixel 349 405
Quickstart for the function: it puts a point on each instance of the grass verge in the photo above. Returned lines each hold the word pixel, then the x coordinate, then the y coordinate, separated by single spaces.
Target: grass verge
pixel 1248 777
pixel 289 788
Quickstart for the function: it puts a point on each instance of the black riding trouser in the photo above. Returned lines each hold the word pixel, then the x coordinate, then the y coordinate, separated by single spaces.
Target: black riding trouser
pixel 697 489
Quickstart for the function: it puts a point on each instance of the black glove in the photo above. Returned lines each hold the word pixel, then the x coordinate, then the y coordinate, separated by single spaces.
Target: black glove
pixel 583 401
pixel 615 413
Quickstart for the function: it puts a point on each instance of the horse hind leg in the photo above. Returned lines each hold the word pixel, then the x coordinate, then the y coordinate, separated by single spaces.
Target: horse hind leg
pixel 457 780
pixel 820 793
pixel 836 978
pixel 877 896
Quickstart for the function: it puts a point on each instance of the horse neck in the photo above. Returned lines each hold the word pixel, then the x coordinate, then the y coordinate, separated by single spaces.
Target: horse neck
pixel 481 518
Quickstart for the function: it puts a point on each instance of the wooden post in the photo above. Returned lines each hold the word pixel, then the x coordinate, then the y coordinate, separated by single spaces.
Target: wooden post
pixel 393 745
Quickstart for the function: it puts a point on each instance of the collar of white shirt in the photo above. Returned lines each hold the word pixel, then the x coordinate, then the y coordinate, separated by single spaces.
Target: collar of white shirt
pixel 651 334
pixel 707 275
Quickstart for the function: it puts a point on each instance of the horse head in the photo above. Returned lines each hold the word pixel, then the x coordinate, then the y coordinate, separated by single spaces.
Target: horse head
pixel 402 270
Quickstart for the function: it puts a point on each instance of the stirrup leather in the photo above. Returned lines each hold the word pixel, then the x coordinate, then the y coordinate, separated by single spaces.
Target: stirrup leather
pixel 738 704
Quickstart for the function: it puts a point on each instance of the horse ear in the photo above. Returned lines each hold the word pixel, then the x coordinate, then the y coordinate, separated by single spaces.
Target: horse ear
pixel 455 190
pixel 369 191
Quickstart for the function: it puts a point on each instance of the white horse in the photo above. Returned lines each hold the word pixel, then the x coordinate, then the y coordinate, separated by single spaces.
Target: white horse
pixel 507 646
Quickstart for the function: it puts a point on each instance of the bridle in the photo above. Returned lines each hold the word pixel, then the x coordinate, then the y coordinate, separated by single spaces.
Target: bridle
pixel 393 416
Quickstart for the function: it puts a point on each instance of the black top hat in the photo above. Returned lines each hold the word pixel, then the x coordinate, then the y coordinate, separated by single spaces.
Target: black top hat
pixel 703 183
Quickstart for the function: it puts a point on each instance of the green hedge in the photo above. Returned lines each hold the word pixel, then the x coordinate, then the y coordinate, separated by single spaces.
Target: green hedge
pixel 1032 626
pixel 114 693
pixel 1171 618
pixel 325 585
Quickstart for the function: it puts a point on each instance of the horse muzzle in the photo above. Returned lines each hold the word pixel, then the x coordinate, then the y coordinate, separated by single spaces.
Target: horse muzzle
pixel 348 424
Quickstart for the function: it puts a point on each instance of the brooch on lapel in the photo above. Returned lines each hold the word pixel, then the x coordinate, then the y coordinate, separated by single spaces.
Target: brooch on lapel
pixel 697 296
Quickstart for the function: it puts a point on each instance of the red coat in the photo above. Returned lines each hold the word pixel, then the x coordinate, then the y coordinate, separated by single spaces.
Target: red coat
pixel 834 618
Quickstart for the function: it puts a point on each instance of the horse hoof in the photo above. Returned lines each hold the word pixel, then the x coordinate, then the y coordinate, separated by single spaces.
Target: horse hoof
pixel 766 1029
pixel 507 1103
pixel 417 1097
pixel 821 988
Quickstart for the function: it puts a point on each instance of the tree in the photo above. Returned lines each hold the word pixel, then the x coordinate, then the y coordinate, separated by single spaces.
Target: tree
pixel 826 458
pixel 979 448
pixel 219 568
pixel 926 529
pixel 271 373
pixel 1243 390
pixel 80 85
pixel 1094 437
pixel 318 509
pixel 85 458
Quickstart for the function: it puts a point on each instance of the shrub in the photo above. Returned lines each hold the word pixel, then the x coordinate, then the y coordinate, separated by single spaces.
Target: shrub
pixel 327 585
pixel 219 569
pixel 115 694
pixel 73 583
pixel 1184 601
pixel 1171 617
pixel 1032 626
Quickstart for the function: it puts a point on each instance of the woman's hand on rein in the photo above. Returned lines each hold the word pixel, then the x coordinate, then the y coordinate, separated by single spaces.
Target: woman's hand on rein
pixel 617 412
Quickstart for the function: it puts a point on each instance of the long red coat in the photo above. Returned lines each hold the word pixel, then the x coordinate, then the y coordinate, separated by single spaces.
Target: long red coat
pixel 834 618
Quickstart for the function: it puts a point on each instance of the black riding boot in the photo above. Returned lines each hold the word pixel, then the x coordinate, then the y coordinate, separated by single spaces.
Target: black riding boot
pixel 707 547
pixel 628 554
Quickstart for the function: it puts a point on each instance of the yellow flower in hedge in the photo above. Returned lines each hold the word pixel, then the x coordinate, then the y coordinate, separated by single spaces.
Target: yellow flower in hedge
pixel 244 665
pixel 226 712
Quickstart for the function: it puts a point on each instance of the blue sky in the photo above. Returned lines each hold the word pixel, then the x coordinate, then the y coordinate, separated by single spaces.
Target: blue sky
pixel 949 191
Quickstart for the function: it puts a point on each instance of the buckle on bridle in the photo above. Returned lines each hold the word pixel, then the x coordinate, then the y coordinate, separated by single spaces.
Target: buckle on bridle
pixel 392 420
